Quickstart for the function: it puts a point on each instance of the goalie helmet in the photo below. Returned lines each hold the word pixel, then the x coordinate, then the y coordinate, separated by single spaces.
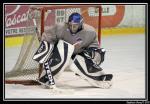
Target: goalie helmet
pixel 75 22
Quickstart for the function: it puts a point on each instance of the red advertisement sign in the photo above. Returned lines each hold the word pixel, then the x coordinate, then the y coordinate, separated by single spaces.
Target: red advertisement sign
pixel 16 17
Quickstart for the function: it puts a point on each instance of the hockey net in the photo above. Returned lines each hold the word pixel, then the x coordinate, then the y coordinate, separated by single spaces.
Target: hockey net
pixel 40 17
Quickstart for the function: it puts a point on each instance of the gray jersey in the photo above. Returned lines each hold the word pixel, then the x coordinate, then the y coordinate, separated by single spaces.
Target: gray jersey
pixel 87 35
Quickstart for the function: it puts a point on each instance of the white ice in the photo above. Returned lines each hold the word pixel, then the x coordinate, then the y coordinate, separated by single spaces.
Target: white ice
pixel 125 59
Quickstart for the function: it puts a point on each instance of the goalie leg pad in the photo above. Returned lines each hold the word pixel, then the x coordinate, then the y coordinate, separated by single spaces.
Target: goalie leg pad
pixel 43 53
pixel 94 76
pixel 59 59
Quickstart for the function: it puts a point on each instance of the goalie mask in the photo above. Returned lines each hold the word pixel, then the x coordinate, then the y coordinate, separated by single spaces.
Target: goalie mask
pixel 75 22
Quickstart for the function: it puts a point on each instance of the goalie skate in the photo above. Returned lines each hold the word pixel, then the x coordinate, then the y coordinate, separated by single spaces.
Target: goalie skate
pixel 44 84
pixel 54 89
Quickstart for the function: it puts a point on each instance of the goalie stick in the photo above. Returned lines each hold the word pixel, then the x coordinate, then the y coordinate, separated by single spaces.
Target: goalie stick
pixel 46 64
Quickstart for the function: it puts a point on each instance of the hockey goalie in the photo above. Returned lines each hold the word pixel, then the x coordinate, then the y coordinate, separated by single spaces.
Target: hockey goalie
pixel 72 44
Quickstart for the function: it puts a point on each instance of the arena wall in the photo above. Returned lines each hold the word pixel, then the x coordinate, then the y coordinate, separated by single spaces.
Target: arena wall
pixel 116 20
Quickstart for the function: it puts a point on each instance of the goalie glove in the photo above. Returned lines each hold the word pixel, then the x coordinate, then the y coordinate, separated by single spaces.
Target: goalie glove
pixel 96 55
pixel 44 52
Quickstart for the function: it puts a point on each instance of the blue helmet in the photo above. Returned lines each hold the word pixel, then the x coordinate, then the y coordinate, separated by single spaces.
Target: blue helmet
pixel 75 18
pixel 75 22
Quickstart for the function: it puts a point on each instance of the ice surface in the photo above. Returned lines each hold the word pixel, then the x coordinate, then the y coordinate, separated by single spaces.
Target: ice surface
pixel 125 59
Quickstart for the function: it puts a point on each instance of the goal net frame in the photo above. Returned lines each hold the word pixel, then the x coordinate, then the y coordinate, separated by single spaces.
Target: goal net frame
pixel 43 9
